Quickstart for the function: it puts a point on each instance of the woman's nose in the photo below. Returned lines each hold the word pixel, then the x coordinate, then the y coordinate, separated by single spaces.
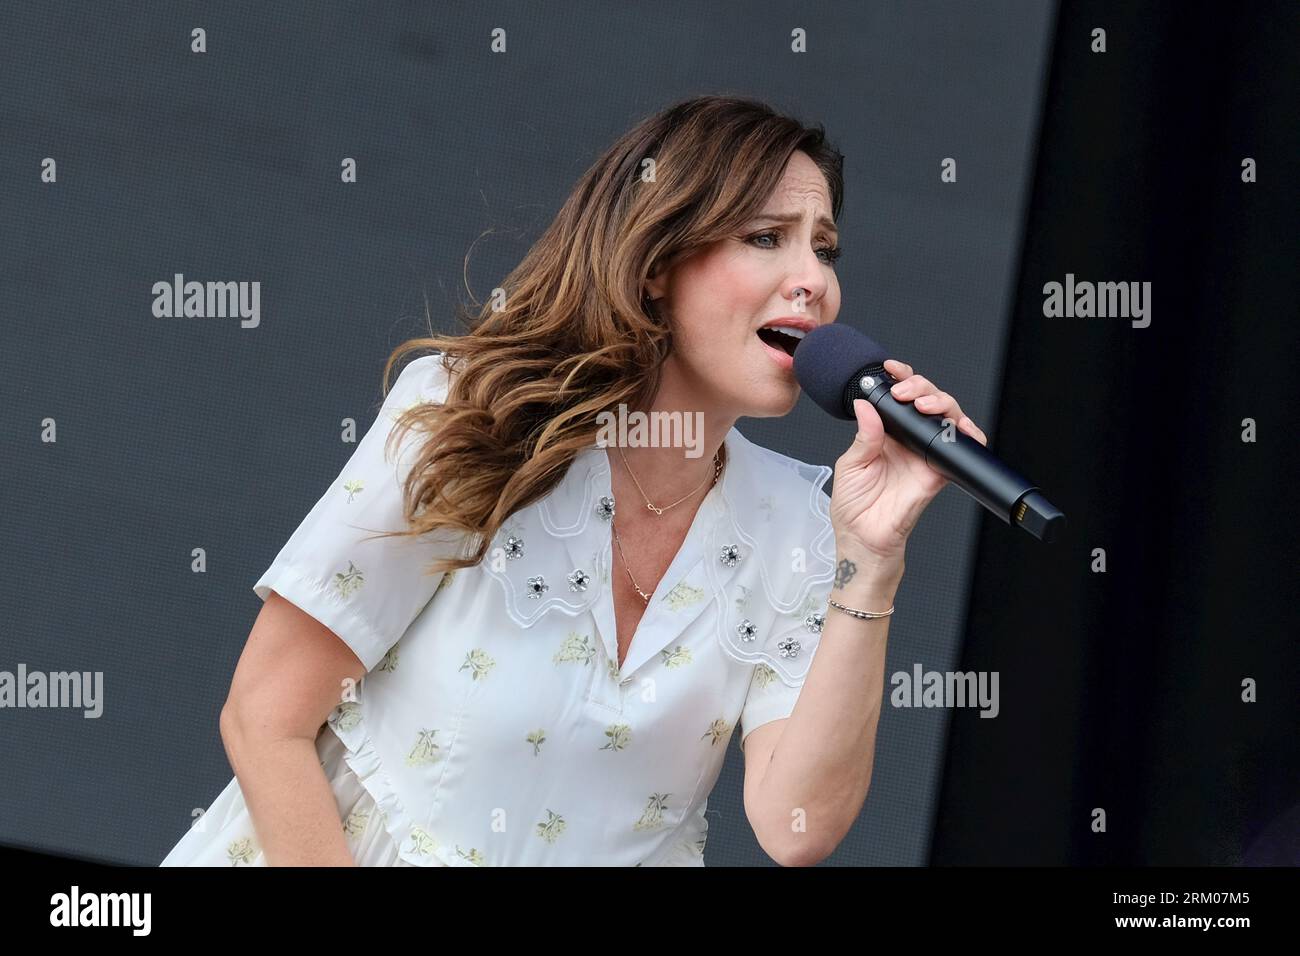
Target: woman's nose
pixel 803 290
pixel 807 282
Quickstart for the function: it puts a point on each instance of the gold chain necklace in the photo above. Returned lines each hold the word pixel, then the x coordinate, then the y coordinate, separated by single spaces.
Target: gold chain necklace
pixel 644 597
pixel 717 470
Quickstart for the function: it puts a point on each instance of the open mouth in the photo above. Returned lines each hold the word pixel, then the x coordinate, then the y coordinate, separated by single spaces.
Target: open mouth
pixel 785 339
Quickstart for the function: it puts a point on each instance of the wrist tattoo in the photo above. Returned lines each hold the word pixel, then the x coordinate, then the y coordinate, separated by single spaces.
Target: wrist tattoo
pixel 844 572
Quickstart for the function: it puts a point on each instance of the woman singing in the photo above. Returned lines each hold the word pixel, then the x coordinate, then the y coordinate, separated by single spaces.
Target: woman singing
pixel 559 635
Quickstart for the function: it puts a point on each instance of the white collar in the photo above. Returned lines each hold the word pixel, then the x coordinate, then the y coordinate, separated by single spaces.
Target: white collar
pixel 769 506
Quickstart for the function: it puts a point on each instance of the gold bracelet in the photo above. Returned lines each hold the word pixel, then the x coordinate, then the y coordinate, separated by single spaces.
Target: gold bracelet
pixel 863 615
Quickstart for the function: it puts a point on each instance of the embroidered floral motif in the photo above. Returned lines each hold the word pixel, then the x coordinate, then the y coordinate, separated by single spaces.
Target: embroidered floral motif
pixel 474 856
pixel 576 647
pixel 683 596
pixel 619 736
pixel 679 656
pixel 241 851
pixel 353 487
pixel 425 750
pixel 388 663
pixel 536 738
pixel 422 841
pixel 349 582
pixel 742 597
pixel 398 412
pixel 763 675
pixel 346 715
pixel 718 730
pixel 652 817
pixel 479 663
pixel 813 602
pixel 551 827
pixel 355 824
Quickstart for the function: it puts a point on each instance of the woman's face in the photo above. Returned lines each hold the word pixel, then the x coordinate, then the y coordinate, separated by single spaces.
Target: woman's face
pixel 717 299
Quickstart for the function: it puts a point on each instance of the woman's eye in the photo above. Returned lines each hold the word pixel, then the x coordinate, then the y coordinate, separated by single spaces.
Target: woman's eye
pixel 831 252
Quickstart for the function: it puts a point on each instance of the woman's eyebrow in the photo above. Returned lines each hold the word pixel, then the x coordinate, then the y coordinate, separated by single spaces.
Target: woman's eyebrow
pixel 787 218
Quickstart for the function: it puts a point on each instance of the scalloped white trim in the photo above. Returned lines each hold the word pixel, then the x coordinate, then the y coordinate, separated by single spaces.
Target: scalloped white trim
pixel 787 477
pixel 531 524
pixel 754 476
pixel 822 547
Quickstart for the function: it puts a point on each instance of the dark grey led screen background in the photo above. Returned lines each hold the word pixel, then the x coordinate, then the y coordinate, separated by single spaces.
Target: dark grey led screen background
pixel 180 434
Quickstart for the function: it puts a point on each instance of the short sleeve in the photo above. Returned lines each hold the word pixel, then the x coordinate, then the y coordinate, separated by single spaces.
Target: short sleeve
pixel 366 589
pixel 769 697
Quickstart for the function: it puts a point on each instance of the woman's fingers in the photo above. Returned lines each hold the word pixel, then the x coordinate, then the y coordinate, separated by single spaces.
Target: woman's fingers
pixel 922 392
pixel 912 387
pixel 970 428
pixel 939 403
pixel 900 370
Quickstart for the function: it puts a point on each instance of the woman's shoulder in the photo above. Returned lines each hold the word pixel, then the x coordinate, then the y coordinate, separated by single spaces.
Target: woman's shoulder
pixel 784 556
pixel 780 464
pixel 768 485
pixel 424 379
pixel 780 506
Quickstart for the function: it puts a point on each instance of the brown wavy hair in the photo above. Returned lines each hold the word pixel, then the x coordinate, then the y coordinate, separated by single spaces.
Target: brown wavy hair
pixel 571 333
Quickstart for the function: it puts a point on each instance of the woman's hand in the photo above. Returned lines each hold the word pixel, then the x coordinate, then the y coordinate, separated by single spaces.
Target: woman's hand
pixel 881 488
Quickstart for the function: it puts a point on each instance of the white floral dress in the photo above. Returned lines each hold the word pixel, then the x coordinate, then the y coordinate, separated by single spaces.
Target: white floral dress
pixel 494 726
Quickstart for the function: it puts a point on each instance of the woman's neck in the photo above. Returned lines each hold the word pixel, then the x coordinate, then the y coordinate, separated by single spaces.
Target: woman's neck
pixel 673 455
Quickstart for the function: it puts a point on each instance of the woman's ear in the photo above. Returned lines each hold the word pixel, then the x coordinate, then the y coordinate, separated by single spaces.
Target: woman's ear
pixel 654 286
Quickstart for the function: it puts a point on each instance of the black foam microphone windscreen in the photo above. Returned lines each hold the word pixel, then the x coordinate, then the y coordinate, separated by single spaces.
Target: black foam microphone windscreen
pixel 827 358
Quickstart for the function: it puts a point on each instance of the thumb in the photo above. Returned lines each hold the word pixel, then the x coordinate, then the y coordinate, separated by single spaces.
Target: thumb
pixel 870 439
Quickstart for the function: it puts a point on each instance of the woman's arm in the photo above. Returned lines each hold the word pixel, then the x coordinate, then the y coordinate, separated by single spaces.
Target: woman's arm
pixel 288 679
pixel 807 795
pixel 805 784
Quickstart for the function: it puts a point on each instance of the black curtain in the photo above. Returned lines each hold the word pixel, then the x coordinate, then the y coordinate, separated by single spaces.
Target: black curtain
pixel 1123 690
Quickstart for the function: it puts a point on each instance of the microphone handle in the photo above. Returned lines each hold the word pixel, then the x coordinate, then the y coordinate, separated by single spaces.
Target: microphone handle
pixel 958 457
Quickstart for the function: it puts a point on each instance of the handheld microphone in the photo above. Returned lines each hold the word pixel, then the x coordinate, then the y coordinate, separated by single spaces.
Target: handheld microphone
pixel 836 364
